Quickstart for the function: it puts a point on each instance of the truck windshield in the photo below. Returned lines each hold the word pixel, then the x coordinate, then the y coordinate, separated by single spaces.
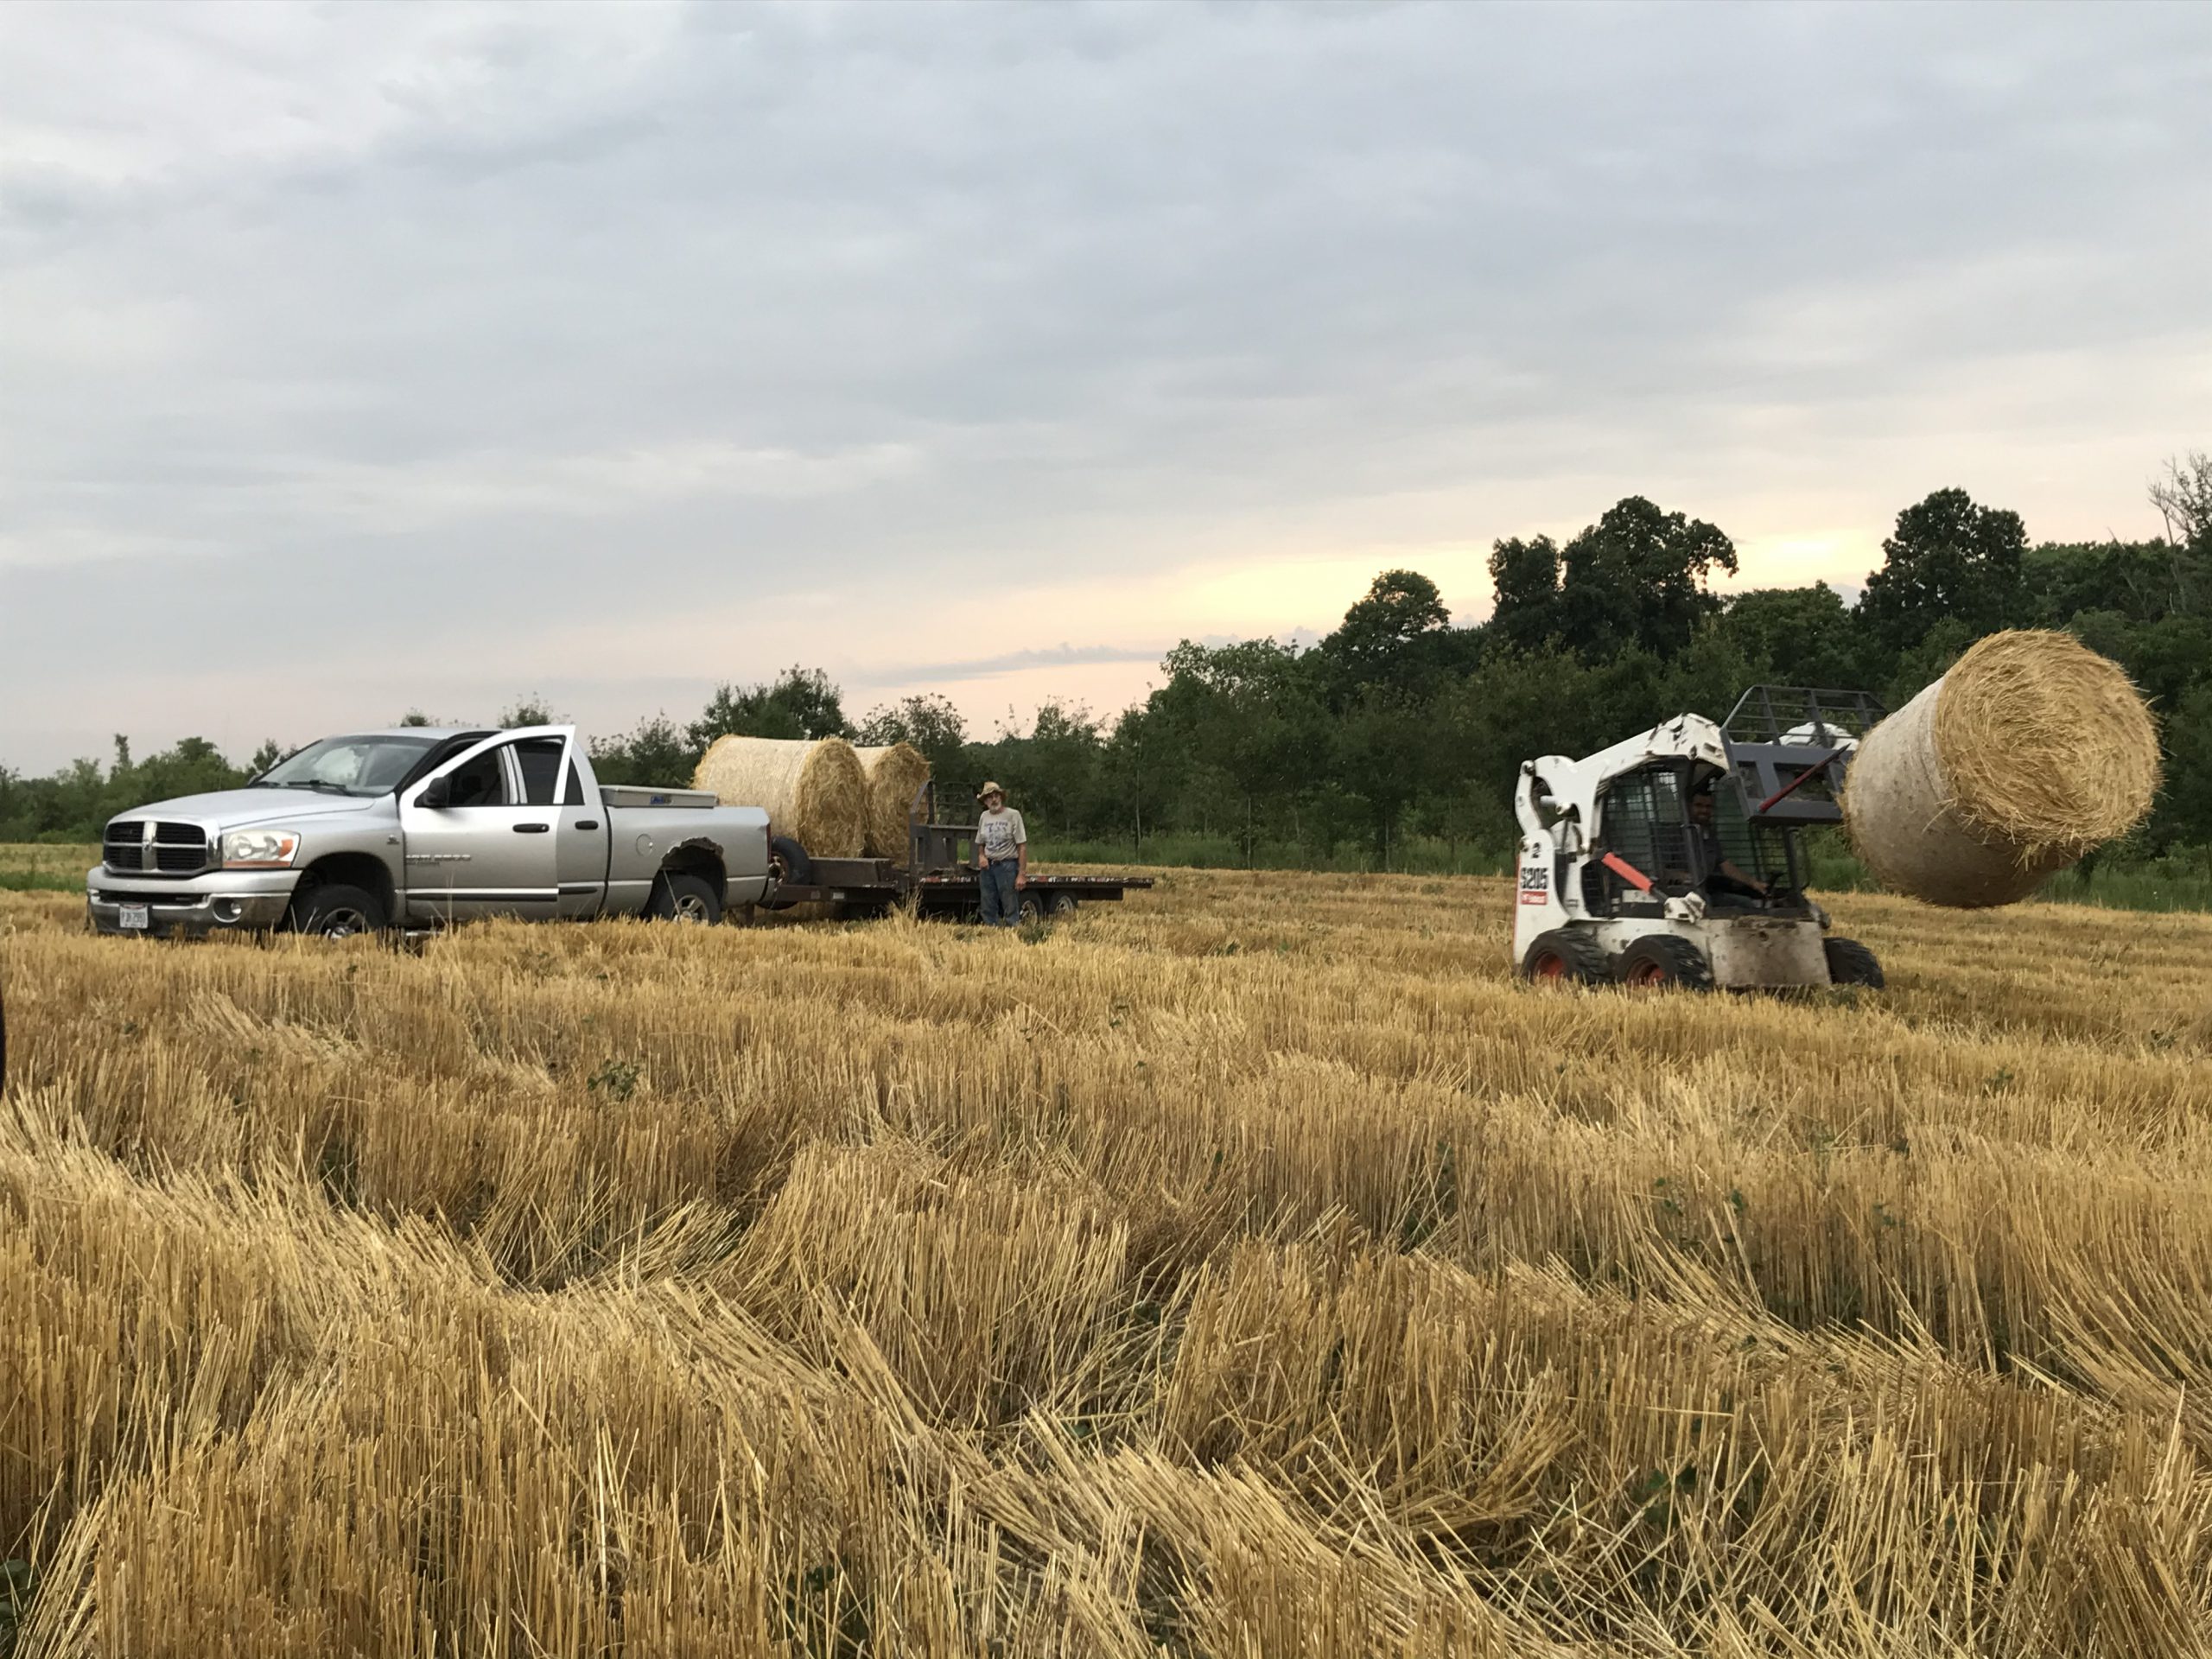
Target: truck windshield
pixel 349 766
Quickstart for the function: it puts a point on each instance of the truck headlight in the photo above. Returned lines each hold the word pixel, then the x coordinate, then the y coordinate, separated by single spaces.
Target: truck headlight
pixel 260 849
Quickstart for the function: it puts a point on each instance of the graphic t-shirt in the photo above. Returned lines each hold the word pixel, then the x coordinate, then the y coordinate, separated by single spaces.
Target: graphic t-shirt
pixel 999 833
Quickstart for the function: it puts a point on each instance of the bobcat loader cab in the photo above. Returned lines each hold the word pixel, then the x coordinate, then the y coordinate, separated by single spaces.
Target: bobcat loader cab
pixel 1619 882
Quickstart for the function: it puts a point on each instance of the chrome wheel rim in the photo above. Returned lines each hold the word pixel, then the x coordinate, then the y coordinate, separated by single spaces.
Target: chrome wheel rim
pixel 690 907
pixel 343 924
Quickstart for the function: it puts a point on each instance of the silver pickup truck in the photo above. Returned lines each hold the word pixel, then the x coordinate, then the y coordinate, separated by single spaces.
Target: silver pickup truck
pixel 418 828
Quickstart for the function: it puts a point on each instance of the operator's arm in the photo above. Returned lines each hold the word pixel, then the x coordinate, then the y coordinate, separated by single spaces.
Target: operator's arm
pixel 1729 869
pixel 1021 852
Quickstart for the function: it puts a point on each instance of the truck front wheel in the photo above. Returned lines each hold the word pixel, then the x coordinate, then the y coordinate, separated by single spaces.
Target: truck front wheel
pixel 337 912
pixel 681 898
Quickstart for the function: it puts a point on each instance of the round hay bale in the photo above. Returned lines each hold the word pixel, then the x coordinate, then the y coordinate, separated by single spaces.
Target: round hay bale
pixel 2031 750
pixel 896 773
pixel 814 792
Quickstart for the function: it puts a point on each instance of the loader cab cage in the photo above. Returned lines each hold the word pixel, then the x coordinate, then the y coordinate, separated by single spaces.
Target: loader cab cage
pixel 1780 737
pixel 1644 821
pixel 1801 715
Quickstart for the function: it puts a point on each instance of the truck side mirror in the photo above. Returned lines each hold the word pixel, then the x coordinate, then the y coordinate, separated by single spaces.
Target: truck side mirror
pixel 437 792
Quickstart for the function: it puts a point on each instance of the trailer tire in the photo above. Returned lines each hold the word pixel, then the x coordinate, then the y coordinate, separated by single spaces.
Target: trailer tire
pixel 1852 964
pixel 679 896
pixel 788 863
pixel 1029 909
pixel 336 911
pixel 1564 956
pixel 1659 960
pixel 1062 905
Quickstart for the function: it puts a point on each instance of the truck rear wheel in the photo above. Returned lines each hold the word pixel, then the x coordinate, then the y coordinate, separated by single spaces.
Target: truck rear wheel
pixel 1564 956
pixel 1661 959
pixel 1852 964
pixel 678 897
pixel 336 911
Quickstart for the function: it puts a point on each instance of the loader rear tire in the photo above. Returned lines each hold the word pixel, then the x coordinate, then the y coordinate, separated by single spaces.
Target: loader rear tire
pixel 1852 964
pixel 1563 957
pixel 1658 960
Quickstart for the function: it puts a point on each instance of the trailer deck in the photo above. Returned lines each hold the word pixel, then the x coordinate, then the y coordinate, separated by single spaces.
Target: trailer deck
pixel 938 877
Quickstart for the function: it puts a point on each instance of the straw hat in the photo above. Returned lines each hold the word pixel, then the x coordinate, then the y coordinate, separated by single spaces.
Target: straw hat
pixel 989 790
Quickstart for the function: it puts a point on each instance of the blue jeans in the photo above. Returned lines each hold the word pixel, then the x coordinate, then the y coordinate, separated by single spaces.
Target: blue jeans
pixel 996 881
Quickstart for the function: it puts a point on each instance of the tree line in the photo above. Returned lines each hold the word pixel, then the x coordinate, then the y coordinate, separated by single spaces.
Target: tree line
pixel 1401 729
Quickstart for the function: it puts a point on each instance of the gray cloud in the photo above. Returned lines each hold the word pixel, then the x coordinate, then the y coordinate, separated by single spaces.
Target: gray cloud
pixel 1008 661
pixel 384 356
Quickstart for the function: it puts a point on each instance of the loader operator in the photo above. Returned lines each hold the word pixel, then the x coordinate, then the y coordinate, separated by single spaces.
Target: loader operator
pixel 1723 877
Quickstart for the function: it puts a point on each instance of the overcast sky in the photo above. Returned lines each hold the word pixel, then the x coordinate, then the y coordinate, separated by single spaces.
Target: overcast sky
pixel 360 357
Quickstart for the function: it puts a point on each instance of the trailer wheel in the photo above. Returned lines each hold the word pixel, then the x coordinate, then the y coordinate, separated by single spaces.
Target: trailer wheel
pixel 681 898
pixel 1657 960
pixel 337 912
pixel 1029 909
pixel 1564 956
pixel 1852 964
pixel 1063 904
pixel 788 864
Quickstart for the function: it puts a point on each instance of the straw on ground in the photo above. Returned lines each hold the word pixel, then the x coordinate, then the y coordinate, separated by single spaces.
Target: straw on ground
pixel 1253 1269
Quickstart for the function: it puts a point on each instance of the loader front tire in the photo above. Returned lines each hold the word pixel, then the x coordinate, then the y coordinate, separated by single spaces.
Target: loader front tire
pixel 1658 960
pixel 1852 964
pixel 1564 956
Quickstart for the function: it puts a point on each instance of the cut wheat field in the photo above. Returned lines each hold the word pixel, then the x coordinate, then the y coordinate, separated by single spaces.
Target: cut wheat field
pixel 1252 1269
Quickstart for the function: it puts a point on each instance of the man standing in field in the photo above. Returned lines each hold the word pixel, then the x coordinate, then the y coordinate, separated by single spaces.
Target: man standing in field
pixel 1001 858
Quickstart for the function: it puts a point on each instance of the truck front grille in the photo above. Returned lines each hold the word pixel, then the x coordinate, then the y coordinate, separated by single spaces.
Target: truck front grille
pixel 175 849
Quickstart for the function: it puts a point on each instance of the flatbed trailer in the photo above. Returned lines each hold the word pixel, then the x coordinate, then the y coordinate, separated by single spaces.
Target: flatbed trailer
pixel 938 877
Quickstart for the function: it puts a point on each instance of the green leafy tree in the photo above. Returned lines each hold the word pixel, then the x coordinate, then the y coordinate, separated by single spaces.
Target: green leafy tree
pixel 1388 637
pixel 1252 714
pixel 929 722
pixel 2184 811
pixel 799 703
pixel 1798 636
pixel 1638 577
pixel 1949 558
pixel 1056 769
pixel 1386 753
pixel 658 751
pixel 2143 582
pixel 2182 496
pixel 1524 577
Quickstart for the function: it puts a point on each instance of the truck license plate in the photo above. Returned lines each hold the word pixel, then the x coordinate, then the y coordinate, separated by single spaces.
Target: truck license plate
pixel 134 917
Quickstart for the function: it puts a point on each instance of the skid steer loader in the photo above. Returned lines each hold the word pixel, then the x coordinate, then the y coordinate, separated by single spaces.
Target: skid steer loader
pixel 1674 858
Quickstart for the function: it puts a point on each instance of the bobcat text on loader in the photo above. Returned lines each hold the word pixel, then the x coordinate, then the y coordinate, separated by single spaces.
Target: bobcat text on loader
pixel 1672 858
